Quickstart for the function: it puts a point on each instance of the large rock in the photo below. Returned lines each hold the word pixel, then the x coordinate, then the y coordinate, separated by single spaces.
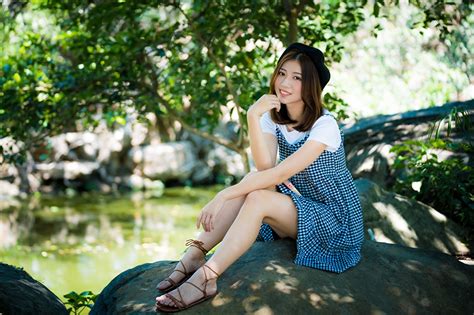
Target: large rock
pixel 8 189
pixel 165 161
pixel 369 140
pixel 113 152
pixel 21 294
pixel 390 279
pixel 393 218
pixel 68 170
pixel 226 162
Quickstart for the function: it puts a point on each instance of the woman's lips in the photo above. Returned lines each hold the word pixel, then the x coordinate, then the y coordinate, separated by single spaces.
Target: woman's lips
pixel 284 93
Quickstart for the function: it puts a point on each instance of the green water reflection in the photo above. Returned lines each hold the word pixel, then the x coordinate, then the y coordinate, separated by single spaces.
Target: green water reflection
pixel 82 243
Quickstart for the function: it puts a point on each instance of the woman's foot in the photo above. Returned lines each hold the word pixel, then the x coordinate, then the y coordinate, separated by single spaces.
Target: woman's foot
pixel 191 261
pixel 200 287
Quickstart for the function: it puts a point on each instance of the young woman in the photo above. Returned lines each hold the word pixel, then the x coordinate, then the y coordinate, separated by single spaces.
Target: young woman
pixel 309 196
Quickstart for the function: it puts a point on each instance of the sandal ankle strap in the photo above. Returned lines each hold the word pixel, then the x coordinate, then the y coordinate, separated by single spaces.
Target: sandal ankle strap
pixel 218 275
pixel 197 244
pixel 203 290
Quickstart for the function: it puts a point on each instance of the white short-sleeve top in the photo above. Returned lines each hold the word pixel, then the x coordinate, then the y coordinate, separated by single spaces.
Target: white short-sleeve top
pixel 324 130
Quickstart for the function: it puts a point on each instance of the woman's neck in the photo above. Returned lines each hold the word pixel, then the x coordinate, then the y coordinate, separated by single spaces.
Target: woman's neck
pixel 295 111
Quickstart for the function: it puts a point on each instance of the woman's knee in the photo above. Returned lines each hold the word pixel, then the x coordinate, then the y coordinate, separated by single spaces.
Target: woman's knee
pixel 256 196
pixel 255 201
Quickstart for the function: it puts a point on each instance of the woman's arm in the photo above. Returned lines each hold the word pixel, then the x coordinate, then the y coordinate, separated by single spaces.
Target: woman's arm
pixel 262 145
pixel 293 164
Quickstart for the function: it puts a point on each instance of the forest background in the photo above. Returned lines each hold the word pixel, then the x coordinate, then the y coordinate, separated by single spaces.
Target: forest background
pixel 190 67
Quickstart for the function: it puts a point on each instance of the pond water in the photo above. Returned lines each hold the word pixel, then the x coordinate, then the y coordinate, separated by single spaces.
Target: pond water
pixel 81 243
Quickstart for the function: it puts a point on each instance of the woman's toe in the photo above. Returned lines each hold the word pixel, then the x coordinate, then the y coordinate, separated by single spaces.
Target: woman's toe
pixel 162 285
pixel 163 300
pixel 168 302
pixel 160 299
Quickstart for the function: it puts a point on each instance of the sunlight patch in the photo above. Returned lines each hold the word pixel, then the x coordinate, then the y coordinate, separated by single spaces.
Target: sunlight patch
pixel 220 300
pixel 437 216
pixel 398 223
pixel 381 237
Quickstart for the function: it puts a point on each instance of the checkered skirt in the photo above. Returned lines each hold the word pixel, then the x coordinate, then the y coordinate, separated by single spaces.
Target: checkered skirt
pixel 330 226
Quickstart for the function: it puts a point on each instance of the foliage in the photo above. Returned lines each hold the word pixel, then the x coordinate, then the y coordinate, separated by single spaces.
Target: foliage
pixel 33 85
pixel 455 120
pixel 336 105
pixel 191 62
pixel 458 44
pixel 77 303
pixel 41 90
pixel 405 65
pixel 447 185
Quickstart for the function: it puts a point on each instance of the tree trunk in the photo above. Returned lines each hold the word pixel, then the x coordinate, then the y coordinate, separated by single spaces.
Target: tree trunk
pixel 293 26
pixel 23 171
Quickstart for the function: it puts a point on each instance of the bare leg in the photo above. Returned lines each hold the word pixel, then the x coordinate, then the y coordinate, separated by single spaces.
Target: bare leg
pixel 260 206
pixel 273 208
pixel 194 258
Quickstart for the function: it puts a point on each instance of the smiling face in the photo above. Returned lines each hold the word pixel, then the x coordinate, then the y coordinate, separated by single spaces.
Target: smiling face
pixel 295 82
pixel 288 83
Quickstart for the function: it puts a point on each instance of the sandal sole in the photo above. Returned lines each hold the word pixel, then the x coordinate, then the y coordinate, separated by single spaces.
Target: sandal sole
pixel 173 309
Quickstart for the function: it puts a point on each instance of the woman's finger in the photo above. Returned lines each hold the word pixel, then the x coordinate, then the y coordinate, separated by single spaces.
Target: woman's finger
pixel 202 221
pixel 211 220
pixel 198 220
pixel 273 97
pixel 212 223
pixel 208 223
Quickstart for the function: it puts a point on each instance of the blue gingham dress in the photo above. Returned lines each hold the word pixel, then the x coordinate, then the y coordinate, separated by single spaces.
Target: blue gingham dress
pixel 330 226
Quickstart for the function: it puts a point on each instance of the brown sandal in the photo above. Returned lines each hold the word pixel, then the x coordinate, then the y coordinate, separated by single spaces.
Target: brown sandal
pixel 179 305
pixel 187 275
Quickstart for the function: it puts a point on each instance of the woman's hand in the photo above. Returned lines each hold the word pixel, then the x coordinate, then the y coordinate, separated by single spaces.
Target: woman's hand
pixel 208 214
pixel 264 104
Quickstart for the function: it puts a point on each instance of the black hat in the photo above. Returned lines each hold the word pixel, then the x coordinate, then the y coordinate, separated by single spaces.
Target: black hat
pixel 316 57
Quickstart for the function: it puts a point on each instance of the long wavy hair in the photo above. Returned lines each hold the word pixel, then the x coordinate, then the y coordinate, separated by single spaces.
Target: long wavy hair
pixel 310 93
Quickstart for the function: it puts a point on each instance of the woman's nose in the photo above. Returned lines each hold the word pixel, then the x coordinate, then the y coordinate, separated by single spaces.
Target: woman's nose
pixel 284 83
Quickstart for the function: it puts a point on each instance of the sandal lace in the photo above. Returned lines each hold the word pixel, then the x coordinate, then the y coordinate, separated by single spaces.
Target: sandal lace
pixel 203 290
pixel 197 244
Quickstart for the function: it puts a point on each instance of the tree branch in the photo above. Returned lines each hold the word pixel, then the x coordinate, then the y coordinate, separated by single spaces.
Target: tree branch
pixel 154 91
pixel 206 135
pixel 228 81
pixel 292 12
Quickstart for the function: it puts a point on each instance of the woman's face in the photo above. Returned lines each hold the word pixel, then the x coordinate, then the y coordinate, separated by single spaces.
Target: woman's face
pixel 288 83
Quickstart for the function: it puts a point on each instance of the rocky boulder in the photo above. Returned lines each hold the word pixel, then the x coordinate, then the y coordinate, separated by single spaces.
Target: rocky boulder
pixel 21 294
pixel 67 170
pixel 369 140
pixel 226 162
pixel 393 218
pixel 165 161
pixel 389 279
pixel 8 189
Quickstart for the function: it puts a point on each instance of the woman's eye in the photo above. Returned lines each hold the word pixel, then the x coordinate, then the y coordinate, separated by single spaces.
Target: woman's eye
pixel 297 78
pixel 281 73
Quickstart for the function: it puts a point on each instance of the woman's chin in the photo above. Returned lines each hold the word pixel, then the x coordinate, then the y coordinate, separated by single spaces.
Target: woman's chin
pixel 282 99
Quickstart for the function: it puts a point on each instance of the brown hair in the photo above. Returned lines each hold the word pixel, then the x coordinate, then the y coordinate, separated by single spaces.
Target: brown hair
pixel 310 92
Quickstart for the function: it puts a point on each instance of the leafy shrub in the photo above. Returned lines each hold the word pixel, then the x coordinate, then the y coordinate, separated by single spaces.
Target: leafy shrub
pixel 77 303
pixel 446 185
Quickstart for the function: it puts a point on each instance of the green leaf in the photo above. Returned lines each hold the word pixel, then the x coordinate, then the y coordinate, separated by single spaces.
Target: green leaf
pixel 17 78
pixel 42 97
pixel 86 293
